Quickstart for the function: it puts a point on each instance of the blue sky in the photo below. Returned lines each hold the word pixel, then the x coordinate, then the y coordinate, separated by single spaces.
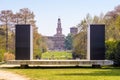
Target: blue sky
pixel 71 12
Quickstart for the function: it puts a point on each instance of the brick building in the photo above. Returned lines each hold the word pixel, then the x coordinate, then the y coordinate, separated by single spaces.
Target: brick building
pixel 56 42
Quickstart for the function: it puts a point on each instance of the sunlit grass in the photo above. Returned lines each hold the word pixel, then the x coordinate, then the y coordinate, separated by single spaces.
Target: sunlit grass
pixel 69 74
pixel 56 55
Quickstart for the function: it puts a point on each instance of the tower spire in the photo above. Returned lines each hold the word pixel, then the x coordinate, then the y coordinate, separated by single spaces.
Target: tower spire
pixel 59 29
pixel 59 22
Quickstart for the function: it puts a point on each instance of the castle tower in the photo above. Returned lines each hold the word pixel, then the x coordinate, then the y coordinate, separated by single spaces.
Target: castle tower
pixel 73 30
pixel 58 38
pixel 59 29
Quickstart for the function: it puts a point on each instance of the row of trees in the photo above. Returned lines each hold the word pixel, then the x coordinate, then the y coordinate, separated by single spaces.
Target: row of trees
pixel 112 30
pixel 80 40
pixel 111 20
pixel 8 20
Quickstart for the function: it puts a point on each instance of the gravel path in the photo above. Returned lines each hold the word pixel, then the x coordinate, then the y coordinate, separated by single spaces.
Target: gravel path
pixel 5 75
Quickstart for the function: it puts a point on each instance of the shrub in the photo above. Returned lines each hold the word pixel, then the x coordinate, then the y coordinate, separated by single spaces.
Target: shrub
pixel 113 51
pixel 37 54
pixel 2 51
pixel 110 50
pixel 8 56
pixel 117 54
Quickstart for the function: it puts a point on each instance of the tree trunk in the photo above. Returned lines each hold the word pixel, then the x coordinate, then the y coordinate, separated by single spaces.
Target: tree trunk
pixel 6 37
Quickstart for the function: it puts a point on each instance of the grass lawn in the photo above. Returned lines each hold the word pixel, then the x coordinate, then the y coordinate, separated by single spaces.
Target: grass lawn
pixel 69 73
pixel 57 55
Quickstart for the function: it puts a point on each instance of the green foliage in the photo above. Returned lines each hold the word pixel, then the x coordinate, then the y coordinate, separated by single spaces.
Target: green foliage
pixel 37 52
pixel 39 45
pixel 118 22
pixel 80 45
pixel 2 38
pixel 110 50
pixel 113 51
pixel 112 22
pixel 2 31
pixel 56 55
pixel 68 42
pixel 69 74
pixel 2 51
pixel 117 54
pixel 2 43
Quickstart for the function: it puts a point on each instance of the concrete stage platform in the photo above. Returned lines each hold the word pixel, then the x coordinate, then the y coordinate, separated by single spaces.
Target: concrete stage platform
pixel 60 62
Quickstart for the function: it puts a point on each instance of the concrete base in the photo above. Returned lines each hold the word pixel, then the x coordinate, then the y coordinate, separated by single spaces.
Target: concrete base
pixel 24 66
pixel 60 62
pixel 96 66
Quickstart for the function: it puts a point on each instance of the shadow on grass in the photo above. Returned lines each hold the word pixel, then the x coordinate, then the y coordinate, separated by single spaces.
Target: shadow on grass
pixel 60 67
pixel 111 72
pixel 52 67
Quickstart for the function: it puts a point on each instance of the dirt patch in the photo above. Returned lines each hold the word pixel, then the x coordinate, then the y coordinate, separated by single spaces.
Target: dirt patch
pixel 5 75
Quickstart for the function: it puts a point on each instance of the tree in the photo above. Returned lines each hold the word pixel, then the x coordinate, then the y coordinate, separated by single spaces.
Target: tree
pixel 112 20
pixel 80 40
pixel 68 42
pixel 96 19
pixel 16 18
pixel 80 45
pixel 117 23
pixel 88 19
pixel 5 18
pixel 26 15
pixel 2 37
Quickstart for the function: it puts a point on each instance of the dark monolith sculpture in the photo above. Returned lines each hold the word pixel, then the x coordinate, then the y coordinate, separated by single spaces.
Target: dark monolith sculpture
pixel 23 42
pixel 96 42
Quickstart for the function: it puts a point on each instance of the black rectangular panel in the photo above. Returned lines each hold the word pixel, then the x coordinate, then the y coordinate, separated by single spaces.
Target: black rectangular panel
pixel 22 44
pixel 97 42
